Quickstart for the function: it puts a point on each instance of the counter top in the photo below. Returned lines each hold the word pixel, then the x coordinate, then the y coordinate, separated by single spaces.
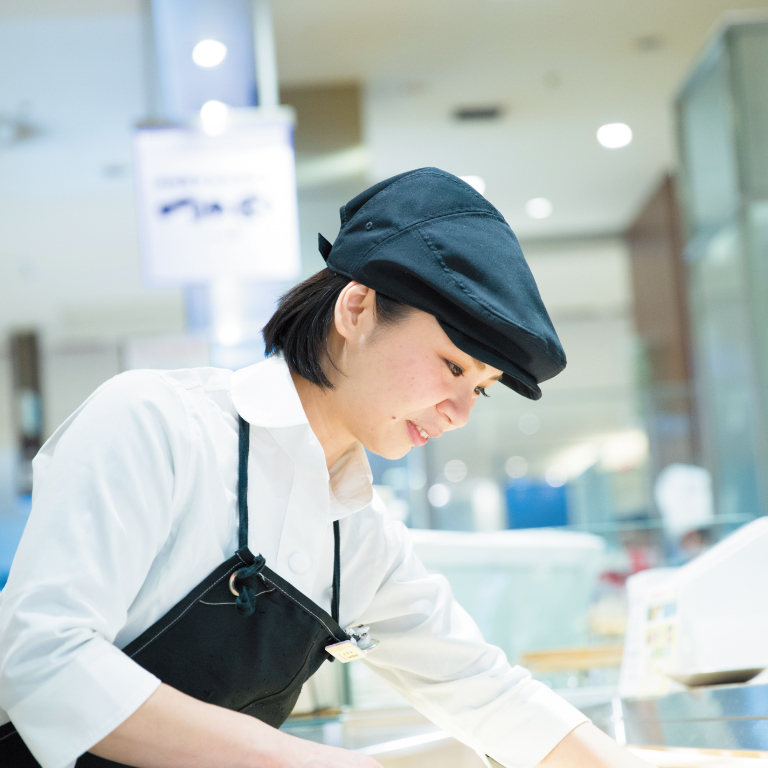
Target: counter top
pixel 402 737
pixel 725 717
pixel 376 732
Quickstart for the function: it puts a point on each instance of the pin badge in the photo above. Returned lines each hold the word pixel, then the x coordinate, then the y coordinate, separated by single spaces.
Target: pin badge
pixel 358 645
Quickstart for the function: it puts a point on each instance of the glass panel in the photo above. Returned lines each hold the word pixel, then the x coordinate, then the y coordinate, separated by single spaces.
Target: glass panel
pixel 724 362
pixel 707 146
pixel 756 222
pixel 749 47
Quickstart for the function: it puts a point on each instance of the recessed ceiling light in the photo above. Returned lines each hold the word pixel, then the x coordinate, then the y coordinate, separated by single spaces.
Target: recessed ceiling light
pixel 209 53
pixel 614 135
pixel 476 182
pixel 214 116
pixel 539 208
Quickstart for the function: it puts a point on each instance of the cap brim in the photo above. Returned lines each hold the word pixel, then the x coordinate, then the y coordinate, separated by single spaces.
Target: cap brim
pixel 513 375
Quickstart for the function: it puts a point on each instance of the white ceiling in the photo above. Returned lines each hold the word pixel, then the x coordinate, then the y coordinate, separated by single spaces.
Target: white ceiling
pixel 561 68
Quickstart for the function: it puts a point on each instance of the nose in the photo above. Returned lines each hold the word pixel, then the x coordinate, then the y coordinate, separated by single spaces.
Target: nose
pixel 456 410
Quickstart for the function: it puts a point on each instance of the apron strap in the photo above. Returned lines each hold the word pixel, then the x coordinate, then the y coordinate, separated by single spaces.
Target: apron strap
pixel 336 571
pixel 244 442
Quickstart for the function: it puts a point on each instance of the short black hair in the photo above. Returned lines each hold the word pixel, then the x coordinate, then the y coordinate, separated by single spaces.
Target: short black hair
pixel 304 317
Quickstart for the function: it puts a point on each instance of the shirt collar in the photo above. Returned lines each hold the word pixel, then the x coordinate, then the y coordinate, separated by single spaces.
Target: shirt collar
pixel 265 396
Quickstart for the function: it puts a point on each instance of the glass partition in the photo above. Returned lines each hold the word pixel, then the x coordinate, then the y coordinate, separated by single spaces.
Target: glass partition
pixel 707 146
pixel 723 135
pixel 723 343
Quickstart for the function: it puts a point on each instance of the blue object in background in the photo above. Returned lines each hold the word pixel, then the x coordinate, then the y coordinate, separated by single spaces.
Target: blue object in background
pixel 535 505
pixel 381 470
pixel 11 527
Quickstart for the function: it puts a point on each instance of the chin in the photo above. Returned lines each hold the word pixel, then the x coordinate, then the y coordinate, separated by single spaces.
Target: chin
pixel 390 452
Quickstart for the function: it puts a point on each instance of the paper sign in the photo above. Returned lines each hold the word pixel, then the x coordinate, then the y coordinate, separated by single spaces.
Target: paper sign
pixel 217 206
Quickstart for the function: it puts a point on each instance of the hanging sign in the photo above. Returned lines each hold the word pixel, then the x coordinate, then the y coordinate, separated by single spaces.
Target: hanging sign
pixel 217 206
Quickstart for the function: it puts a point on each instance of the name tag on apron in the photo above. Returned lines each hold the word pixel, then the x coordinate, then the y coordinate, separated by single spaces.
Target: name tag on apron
pixel 358 645
pixel 345 651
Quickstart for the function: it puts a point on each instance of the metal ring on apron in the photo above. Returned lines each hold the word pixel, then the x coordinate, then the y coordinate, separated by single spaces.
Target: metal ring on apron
pixel 232 584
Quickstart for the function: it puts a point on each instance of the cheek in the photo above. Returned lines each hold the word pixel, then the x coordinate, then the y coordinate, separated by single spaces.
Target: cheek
pixel 412 385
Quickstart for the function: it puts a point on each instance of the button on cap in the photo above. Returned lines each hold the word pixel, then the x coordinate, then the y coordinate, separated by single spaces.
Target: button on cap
pixel 298 562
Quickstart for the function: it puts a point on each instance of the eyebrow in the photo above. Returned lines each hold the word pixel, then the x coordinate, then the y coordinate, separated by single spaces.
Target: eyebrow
pixel 481 367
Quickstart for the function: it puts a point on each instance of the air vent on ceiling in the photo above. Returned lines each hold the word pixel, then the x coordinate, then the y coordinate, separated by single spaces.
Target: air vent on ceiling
pixel 480 112
pixel 648 43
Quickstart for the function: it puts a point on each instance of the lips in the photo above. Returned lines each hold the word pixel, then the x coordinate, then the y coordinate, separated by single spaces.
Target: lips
pixel 418 436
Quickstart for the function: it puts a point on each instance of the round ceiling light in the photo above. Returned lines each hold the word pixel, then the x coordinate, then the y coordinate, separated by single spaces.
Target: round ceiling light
pixel 614 135
pixel 214 116
pixel 539 208
pixel 209 53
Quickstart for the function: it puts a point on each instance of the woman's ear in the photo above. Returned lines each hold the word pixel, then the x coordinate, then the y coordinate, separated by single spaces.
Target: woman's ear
pixel 355 312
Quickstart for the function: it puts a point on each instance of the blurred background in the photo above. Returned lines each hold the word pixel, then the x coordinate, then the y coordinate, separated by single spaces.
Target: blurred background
pixel 625 141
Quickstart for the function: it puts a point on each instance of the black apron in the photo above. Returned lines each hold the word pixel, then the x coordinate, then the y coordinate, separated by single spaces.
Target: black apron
pixel 244 638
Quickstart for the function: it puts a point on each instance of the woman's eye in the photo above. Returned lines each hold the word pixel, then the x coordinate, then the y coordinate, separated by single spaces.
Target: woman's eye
pixel 455 369
pixel 481 391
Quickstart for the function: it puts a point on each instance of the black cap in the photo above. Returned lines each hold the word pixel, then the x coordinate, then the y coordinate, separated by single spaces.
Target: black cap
pixel 428 239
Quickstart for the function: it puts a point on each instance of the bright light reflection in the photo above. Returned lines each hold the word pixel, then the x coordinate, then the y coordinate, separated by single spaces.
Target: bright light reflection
pixel 624 450
pixel 439 495
pixel 455 471
pixel 229 334
pixel 209 53
pixel 214 115
pixel 539 208
pixel 555 477
pixel 614 135
pixel 528 423
pixel 516 467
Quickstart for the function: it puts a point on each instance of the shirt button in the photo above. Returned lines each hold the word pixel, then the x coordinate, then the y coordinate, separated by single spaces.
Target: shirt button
pixel 298 562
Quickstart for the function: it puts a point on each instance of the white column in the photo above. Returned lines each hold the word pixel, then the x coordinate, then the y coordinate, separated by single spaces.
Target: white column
pixel 266 61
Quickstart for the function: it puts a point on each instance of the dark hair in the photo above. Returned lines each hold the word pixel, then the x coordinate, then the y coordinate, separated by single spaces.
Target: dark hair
pixel 304 317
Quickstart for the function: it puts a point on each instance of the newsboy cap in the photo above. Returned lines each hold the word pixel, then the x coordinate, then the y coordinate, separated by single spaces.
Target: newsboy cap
pixel 428 239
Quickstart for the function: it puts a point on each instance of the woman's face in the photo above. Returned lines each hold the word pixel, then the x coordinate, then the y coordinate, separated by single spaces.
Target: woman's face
pixel 400 385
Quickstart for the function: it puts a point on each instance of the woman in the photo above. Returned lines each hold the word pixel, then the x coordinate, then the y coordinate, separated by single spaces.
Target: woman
pixel 199 539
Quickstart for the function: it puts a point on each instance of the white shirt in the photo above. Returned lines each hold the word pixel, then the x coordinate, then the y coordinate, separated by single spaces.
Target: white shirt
pixel 135 503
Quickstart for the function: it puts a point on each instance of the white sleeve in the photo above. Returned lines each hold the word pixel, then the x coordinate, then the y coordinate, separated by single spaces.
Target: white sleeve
pixel 105 486
pixel 432 652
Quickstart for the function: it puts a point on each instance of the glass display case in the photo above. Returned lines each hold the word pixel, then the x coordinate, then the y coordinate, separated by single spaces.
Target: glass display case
pixel 722 118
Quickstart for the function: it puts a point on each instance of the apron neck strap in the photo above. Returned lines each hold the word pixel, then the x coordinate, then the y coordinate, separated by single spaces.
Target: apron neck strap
pixel 244 442
pixel 336 572
pixel 242 481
